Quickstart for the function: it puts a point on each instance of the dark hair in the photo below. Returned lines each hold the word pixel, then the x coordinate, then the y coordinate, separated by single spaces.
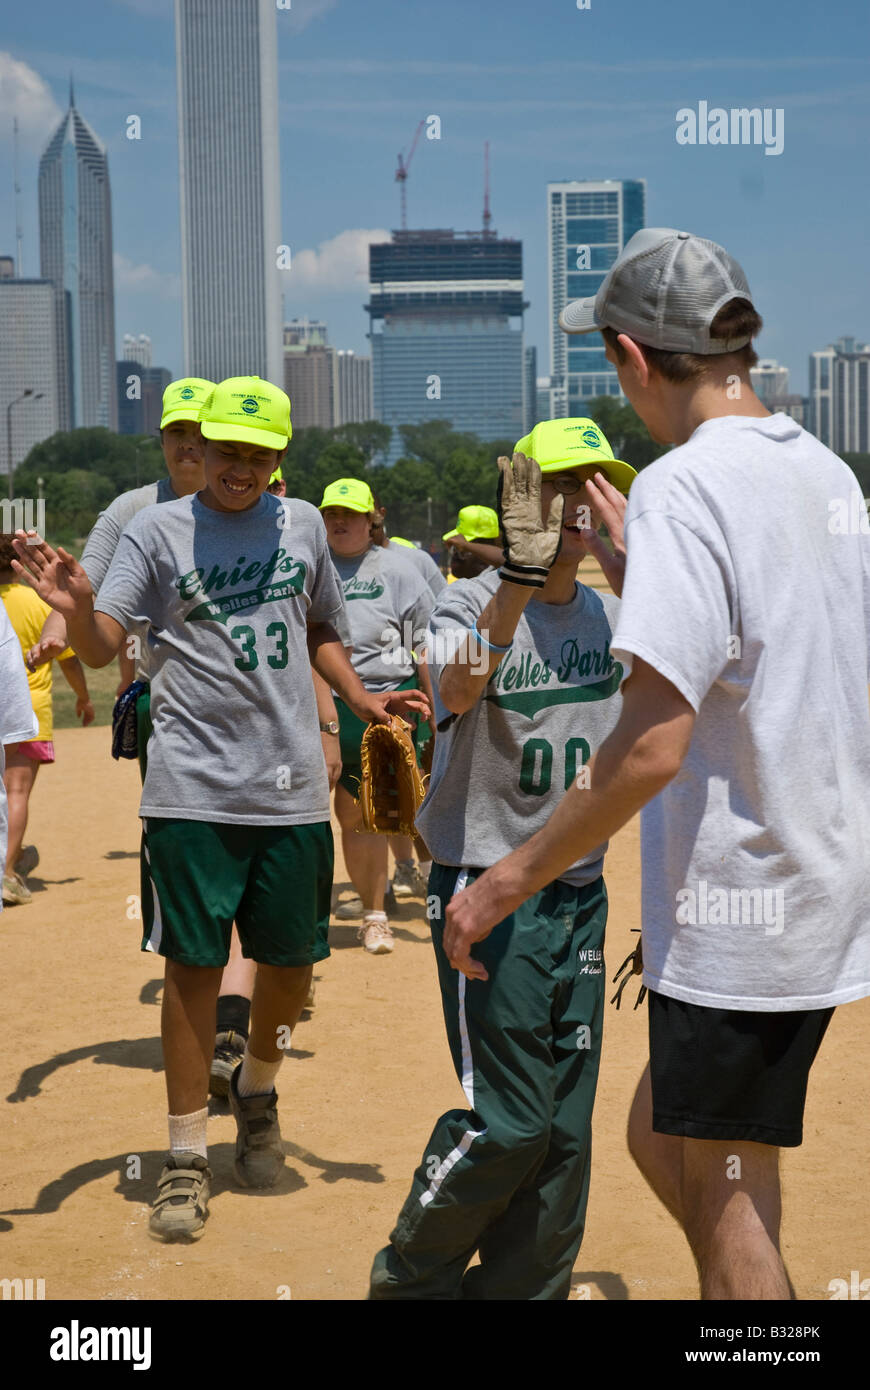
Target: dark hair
pixel 7 554
pixel 736 319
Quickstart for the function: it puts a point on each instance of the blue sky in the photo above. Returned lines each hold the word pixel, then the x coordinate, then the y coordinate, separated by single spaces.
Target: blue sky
pixel 558 92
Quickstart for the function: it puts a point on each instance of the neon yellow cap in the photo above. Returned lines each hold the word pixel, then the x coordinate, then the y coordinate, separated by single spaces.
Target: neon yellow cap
pixel 475 523
pixel 351 493
pixel 183 399
pixel 560 444
pixel 277 476
pixel 400 540
pixel 249 410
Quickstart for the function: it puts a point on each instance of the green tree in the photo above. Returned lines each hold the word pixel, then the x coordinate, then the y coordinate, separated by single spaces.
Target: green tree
pixel 369 436
pixel 860 466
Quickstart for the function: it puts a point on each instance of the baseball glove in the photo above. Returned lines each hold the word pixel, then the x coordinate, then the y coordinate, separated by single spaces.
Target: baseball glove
pixel 392 786
pixel 635 962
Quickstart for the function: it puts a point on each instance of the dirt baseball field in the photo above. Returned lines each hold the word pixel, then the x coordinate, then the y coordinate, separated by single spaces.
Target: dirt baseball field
pixel 84 1107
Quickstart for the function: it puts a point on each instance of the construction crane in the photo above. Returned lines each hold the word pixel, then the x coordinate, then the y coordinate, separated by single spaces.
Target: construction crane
pixel 487 215
pixel 402 173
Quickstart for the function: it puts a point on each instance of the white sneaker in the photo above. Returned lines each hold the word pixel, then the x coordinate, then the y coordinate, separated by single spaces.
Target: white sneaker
pixel 375 934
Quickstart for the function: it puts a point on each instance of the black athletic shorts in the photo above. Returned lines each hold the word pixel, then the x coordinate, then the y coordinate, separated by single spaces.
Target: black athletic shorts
pixel 729 1074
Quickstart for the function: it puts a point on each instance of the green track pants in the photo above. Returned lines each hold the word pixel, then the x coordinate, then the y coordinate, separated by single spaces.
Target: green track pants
pixel 509 1177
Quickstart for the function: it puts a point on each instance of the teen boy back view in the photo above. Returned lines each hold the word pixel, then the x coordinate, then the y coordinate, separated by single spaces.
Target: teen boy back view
pixel 745 618
pixel 239 593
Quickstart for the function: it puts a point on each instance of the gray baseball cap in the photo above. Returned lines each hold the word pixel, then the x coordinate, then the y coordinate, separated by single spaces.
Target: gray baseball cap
pixel 664 290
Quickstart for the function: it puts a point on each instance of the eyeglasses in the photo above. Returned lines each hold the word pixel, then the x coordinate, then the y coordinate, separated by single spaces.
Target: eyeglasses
pixel 565 483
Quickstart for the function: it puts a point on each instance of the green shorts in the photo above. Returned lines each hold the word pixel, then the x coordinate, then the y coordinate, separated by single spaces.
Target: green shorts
pixel 350 736
pixel 274 881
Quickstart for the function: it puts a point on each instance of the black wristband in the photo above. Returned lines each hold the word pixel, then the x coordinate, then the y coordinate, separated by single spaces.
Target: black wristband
pixel 530 576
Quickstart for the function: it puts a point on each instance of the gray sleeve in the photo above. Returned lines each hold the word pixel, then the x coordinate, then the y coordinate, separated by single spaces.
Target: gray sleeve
pixel 455 611
pixel 101 545
pixel 129 591
pixel 327 601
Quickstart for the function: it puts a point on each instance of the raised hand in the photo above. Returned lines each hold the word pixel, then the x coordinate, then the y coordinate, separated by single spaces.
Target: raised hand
pixel 530 546
pixel 608 508
pixel 56 576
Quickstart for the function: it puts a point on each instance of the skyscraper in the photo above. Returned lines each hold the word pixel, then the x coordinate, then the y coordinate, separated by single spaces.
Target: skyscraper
pixel 28 362
pixel 75 245
pixel 446 314
pixel 354 387
pixel 769 381
pixel 230 187
pixel 588 224
pixel 839 401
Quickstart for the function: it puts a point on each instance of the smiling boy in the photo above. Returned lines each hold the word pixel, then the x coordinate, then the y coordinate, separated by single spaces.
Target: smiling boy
pixel 239 594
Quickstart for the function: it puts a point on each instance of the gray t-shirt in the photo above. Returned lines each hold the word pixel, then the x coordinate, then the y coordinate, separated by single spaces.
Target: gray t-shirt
pixel 388 607
pixel 227 597
pixel 423 564
pixel 103 542
pixel 501 769
pixel 745 593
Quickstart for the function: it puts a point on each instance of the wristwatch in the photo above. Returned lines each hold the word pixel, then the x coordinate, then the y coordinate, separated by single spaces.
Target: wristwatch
pixel 330 728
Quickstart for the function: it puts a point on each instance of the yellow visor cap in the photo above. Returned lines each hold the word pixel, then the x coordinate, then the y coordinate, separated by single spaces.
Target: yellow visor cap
pixel 475 523
pixel 249 410
pixel 559 444
pixel 350 493
pixel 183 399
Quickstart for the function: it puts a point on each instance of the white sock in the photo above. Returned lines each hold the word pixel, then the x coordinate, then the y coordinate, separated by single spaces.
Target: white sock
pixel 187 1133
pixel 257 1078
pixel 372 915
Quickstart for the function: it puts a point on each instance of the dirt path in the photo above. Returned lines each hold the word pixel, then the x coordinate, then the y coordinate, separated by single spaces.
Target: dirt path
pixel 82 1098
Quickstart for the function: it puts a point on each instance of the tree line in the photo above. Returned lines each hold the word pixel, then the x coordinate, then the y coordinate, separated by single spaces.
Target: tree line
pixel 439 471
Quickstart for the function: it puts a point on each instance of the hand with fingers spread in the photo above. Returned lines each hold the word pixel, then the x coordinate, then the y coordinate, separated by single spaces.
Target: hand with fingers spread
pixel 56 576
pixel 530 546
pixel 608 509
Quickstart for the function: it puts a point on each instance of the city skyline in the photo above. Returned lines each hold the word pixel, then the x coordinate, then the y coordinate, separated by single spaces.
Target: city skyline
pixel 352 93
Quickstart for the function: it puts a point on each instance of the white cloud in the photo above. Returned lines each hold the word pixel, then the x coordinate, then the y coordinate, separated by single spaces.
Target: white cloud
pixel 24 94
pixel 341 263
pixel 144 279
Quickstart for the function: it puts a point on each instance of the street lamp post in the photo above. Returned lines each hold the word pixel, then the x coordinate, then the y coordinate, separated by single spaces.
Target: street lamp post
pixel 26 394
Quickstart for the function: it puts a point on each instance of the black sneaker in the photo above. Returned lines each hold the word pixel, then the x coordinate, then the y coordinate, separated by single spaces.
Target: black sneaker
pixel 229 1049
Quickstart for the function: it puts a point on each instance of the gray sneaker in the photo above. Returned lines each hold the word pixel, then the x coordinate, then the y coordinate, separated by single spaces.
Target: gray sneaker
pixel 346 912
pixel 409 882
pixel 27 860
pixel 259 1151
pixel 180 1208
pixel 15 891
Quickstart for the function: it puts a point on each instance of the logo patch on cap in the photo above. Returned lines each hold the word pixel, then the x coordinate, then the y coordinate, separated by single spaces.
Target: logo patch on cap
pixel 344 489
pixel 250 406
pixel 186 393
pixel 591 438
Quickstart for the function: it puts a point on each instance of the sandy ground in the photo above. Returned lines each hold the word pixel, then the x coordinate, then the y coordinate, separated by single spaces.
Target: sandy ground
pixel 82 1097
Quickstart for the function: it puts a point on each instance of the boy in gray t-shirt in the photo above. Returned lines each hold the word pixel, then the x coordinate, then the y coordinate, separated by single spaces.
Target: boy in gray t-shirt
pixel 525 692
pixel 239 594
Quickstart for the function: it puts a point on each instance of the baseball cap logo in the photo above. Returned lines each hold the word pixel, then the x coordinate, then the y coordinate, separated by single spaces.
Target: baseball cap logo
pixel 250 406
pixel 344 489
pixel 186 393
pixel 591 437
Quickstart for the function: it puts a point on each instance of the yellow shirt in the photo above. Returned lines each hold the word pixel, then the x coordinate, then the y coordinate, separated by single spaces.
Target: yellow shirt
pixel 27 613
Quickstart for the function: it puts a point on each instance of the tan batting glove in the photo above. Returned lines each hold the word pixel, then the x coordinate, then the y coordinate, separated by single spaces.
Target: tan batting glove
pixel 530 547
